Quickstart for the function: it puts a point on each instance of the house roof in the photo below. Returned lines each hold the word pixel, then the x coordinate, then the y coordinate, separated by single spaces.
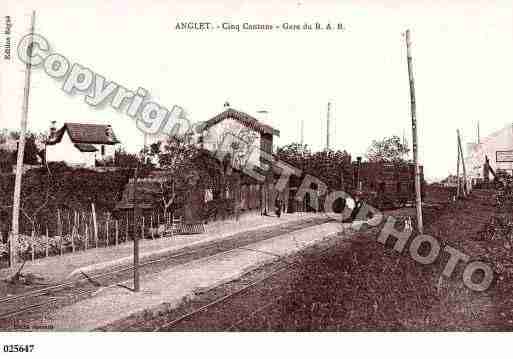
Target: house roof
pixel 244 118
pixel 86 134
pixel 85 147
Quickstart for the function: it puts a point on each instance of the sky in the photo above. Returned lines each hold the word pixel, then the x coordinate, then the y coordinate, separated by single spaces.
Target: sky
pixel 462 63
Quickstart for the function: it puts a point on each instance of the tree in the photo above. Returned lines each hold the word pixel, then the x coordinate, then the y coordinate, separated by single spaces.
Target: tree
pixel 125 159
pixel 389 149
pixel 175 155
pixel 3 136
pixel 175 152
pixel 295 154
pixel 152 153
pixel 327 165
pixel 33 142
pixel 30 155
pixel 331 167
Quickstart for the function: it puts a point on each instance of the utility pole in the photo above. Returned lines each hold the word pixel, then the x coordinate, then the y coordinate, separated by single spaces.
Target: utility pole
pixel 405 155
pixel 414 135
pixel 135 236
pixel 458 173
pixel 358 167
pixel 145 144
pixel 328 127
pixel 302 131
pixel 478 133
pixel 19 161
pixel 460 149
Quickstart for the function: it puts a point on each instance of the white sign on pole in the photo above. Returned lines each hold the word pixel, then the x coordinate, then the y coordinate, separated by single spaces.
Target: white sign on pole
pixel 504 156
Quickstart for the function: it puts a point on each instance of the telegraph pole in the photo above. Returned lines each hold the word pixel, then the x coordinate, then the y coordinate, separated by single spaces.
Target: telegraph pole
pixel 414 135
pixel 145 144
pixel 405 155
pixel 458 173
pixel 135 237
pixel 328 127
pixel 302 132
pixel 19 161
pixel 460 149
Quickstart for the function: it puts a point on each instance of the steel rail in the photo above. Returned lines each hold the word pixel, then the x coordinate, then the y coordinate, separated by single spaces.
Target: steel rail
pixel 231 295
pixel 68 285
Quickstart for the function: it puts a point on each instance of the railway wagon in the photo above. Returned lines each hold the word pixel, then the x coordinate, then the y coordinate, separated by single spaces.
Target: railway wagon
pixel 386 185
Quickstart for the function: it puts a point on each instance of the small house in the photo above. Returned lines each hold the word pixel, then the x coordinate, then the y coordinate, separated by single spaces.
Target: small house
pixel 80 144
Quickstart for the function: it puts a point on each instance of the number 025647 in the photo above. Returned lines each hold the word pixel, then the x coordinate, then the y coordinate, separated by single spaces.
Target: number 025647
pixel 18 348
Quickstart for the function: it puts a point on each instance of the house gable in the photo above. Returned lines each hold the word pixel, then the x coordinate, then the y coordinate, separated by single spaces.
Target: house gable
pixel 81 145
pixel 240 135
pixel 86 133
pixel 244 119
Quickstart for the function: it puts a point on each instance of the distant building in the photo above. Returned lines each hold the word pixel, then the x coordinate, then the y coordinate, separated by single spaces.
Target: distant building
pixel 79 144
pixel 450 181
pixel 498 147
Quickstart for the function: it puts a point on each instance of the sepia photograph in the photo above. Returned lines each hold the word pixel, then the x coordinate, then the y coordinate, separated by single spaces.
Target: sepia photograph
pixel 274 168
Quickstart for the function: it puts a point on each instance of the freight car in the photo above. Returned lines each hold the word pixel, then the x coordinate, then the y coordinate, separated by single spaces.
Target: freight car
pixel 386 185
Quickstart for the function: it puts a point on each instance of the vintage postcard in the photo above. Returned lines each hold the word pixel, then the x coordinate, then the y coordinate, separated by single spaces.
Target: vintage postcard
pixel 240 166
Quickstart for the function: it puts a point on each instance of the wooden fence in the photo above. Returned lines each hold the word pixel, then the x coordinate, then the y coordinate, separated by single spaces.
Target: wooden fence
pixel 70 231
pixel 79 231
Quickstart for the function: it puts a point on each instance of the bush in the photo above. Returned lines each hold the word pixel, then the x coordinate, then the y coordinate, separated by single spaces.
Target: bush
pixel 45 190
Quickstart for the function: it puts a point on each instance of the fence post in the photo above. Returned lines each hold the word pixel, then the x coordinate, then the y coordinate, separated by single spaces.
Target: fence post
pixel 79 236
pixel 96 230
pixel 117 234
pixel 9 243
pixel 107 230
pixel 69 222
pixel 77 230
pixel 142 228
pixel 73 229
pixel 47 242
pixel 158 223
pixel 84 221
pixel 151 226
pixel 86 232
pixel 95 224
pixel 59 223
pixel 32 238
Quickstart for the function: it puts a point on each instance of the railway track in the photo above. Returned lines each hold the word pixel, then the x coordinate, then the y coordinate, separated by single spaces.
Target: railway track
pixel 189 316
pixel 72 291
pixel 224 300
pixel 185 321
